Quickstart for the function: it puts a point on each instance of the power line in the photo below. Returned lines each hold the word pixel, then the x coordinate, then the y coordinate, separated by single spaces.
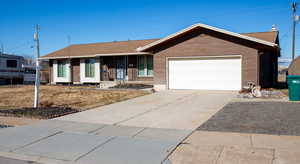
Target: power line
pixel 20 50
pixel 20 46
pixel 285 35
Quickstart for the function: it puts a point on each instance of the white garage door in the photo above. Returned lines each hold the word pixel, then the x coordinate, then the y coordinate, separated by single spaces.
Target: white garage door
pixel 205 73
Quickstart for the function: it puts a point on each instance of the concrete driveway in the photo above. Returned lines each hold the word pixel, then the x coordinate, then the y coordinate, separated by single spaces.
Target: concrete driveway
pixel 144 130
pixel 173 109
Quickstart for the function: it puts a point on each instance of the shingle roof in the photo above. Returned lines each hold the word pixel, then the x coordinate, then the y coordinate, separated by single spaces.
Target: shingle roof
pixel 100 48
pixel 130 46
pixel 269 36
pixel 204 26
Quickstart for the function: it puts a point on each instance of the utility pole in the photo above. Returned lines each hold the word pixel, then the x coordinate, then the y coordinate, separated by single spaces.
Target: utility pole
pixel 295 19
pixel 37 67
pixel 2 49
pixel 69 53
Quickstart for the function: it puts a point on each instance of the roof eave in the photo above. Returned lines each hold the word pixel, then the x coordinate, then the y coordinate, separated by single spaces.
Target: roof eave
pixel 140 49
pixel 95 55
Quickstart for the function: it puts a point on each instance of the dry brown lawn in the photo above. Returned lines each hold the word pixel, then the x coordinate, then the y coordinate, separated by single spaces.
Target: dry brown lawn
pixel 77 97
pixel 285 91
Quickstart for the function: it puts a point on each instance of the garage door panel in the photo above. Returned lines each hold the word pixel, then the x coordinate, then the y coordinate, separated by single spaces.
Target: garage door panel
pixel 206 74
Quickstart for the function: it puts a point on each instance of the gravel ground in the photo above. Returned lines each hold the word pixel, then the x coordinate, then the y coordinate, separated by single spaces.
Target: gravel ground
pixel 40 113
pixel 4 126
pixel 279 118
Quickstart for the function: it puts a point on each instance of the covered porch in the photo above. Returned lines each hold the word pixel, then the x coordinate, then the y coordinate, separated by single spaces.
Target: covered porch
pixel 103 68
pixel 127 68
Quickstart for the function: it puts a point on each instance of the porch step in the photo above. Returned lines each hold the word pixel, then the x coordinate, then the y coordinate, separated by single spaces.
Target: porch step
pixel 107 84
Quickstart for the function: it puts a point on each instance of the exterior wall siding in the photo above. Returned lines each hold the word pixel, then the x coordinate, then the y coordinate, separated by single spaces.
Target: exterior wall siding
pixel 51 71
pixel 145 78
pixel 75 64
pixel 108 68
pixel 201 43
pixel 132 68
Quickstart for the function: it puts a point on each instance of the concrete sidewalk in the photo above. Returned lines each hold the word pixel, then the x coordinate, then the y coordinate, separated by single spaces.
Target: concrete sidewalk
pixel 65 142
pixel 204 147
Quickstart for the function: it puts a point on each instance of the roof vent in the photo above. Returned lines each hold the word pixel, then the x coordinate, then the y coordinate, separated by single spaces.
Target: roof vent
pixel 274 27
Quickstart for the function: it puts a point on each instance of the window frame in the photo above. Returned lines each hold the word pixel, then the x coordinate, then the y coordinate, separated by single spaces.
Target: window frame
pixel 145 57
pixel 61 64
pixel 91 67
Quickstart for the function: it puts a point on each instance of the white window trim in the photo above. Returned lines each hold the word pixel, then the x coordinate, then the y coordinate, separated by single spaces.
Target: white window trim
pixel 67 78
pixel 85 69
pixel 96 78
pixel 145 67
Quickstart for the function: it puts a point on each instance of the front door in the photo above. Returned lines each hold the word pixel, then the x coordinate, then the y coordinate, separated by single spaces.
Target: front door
pixel 120 70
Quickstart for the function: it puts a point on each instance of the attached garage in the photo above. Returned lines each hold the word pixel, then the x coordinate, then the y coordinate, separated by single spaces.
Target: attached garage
pixel 209 58
pixel 205 73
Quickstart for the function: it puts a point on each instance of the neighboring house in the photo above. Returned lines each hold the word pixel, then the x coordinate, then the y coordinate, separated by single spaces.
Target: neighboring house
pixel 294 68
pixel 11 71
pixel 198 57
pixel 282 72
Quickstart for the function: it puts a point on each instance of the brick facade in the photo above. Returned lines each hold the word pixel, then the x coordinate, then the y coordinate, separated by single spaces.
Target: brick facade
pixel 207 43
pixel 75 70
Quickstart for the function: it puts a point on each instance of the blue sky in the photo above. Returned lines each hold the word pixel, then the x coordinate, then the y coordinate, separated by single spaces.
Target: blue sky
pixel 91 21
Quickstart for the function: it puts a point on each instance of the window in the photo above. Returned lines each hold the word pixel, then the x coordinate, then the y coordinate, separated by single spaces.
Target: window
pixel 141 65
pixel 149 65
pixel 11 63
pixel 145 65
pixel 61 68
pixel 90 67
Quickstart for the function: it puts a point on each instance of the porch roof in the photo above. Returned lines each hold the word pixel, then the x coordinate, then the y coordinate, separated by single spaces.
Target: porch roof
pixel 96 55
pixel 117 48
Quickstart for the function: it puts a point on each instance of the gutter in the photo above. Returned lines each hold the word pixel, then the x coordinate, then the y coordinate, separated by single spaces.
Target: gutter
pixel 96 55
